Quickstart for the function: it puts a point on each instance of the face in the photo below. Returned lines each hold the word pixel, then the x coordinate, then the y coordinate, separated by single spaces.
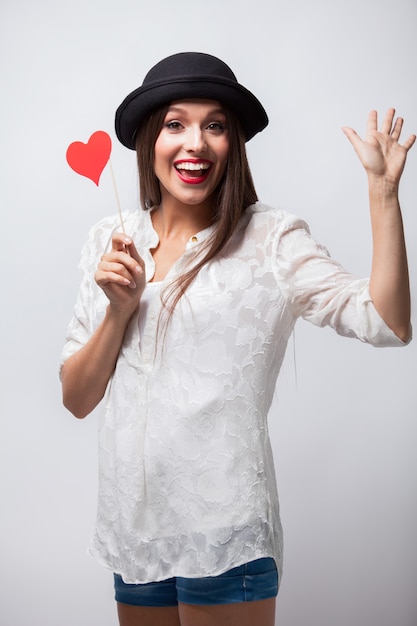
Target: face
pixel 191 151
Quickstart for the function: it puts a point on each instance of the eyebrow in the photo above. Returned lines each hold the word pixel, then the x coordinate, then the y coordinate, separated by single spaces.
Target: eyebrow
pixel 214 111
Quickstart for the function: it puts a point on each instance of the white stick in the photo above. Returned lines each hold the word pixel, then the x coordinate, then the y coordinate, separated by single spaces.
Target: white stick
pixel 117 197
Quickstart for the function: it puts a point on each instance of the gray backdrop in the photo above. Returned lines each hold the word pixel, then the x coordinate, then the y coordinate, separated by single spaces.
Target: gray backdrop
pixel 343 423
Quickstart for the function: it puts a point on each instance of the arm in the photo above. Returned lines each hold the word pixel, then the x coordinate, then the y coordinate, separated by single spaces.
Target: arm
pixel 383 159
pixel 121 275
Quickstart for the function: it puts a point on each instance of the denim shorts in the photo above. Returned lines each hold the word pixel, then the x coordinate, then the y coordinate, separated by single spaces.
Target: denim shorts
pixel 257 580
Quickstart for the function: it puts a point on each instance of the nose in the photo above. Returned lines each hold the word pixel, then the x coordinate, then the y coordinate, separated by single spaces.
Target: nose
pixel 195 140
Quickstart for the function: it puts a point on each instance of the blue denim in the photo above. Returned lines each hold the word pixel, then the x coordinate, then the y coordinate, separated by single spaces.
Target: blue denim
pixel 257 580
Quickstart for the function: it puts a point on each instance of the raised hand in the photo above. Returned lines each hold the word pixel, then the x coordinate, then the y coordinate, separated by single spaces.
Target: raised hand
pixel 121 275
pixel 380 152
pixel 383 157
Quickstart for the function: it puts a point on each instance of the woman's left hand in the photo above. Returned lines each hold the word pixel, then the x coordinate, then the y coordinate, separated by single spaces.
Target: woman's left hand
pixel 383 158
pixel 380 152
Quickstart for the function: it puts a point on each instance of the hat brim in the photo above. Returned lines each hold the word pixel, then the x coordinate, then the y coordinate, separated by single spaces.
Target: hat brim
pixel 138 104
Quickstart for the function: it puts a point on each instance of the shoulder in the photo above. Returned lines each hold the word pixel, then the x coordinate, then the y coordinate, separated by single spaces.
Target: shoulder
pixel 280 233
pixel 277 221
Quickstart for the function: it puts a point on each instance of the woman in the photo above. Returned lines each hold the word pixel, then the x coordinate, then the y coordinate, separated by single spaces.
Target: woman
pixel 181 325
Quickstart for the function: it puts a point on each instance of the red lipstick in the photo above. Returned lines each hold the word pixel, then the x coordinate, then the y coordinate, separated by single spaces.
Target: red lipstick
pixel 193 171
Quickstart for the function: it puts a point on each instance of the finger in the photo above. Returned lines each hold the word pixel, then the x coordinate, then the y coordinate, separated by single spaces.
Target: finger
pixel 387 123
pixel 124 243
pixel 104 278
pixel 396 131
pixel 409 143
pixel 372 124
pixel 120 241
pixel 121 257
pixel 353 136
pixel 122 262
pixel 112 272
pixel 132 251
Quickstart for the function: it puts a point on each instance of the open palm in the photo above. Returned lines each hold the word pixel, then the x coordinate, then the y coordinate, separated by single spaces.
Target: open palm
pixel 380 152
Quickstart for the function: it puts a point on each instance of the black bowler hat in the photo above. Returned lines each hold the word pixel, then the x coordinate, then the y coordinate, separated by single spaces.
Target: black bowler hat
pixel 188 75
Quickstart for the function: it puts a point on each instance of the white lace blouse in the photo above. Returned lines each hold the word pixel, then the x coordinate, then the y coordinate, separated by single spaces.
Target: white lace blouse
pixel 186 477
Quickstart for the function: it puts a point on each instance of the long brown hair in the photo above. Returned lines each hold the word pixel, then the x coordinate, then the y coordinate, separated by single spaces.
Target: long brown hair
pixel 235 192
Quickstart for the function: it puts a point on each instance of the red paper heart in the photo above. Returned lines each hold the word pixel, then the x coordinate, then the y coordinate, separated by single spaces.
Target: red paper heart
pixel 89 159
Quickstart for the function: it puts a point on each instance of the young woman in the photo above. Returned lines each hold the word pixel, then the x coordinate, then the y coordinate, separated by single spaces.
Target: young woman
pixel 181 325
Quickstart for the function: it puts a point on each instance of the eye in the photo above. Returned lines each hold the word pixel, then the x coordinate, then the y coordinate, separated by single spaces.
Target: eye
pixel 217 126
pixel 173 125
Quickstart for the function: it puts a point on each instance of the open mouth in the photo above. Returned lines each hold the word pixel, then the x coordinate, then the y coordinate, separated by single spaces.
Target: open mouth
pixel 194 172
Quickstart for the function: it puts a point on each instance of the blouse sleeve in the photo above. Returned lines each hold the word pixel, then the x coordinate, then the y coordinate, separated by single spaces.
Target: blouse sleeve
pixel 322 292
pixel 91 301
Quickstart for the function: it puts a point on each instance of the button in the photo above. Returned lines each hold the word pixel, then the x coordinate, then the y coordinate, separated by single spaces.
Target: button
pixel 194 239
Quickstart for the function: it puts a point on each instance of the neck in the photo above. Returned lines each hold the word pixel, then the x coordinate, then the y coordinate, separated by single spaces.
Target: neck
pixel 173 220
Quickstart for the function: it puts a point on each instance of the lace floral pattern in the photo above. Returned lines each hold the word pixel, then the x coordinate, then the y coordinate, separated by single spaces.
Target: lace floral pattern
pixel 187 483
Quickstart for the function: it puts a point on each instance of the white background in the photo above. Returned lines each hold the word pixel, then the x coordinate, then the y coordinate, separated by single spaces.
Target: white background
pixel 344 420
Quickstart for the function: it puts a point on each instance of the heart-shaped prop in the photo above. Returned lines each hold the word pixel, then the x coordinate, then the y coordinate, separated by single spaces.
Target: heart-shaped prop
pixel 89 159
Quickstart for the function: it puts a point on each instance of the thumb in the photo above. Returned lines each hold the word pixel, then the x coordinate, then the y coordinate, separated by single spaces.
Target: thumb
pixel 132 251
pixel 353 136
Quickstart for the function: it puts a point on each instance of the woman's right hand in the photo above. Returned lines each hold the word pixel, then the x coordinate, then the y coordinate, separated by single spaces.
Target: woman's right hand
pixel 85 374
pixel 121 275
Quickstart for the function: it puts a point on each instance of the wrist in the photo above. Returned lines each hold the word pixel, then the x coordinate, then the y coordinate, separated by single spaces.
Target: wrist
pixel 117 316
pixel 382 186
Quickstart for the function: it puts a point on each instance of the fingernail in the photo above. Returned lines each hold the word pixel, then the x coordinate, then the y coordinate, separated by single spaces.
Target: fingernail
pixel 132 284
pixel 127 240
